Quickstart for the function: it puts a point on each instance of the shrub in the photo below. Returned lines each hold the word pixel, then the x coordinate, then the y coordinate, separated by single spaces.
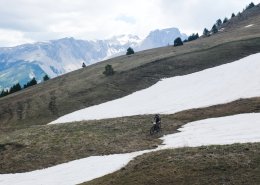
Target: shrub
pixel 109 70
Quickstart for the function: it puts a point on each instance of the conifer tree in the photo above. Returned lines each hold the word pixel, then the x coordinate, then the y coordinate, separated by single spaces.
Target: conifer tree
pixel 4 93
pixel 15 88
pixel 251 5
pixel 46 77
pixel 130 51
pixel 218 23
pixel 33 82
pixel 214 29
pixel 193 37
pixel 206 32
pixel 30 83
pixel 225 20
pixel 178 42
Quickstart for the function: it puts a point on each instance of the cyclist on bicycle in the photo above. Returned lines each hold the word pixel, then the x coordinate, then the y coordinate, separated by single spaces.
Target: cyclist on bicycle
pixel 157 121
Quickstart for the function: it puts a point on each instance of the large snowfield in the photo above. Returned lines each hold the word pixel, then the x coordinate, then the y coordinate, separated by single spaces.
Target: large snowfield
pixel 240 79
pixel 225 130
pixel 222 84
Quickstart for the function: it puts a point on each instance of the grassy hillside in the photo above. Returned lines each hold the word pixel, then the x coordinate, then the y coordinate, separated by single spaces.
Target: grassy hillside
pixel 88 86
pixel 27 143
pixel 43 146
pixel 231 164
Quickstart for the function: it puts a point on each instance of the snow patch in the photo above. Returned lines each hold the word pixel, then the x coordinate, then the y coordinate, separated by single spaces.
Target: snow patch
pixel 213 86
pixel 250 25
pixel 73 172
pixel 241 128
pixel 31 75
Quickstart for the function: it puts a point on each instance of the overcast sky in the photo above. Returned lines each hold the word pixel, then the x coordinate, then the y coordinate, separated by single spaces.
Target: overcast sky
pixel 23 21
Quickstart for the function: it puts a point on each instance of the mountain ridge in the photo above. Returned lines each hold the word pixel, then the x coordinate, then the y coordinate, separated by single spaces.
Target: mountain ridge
pixel 88 86
pixel 57 57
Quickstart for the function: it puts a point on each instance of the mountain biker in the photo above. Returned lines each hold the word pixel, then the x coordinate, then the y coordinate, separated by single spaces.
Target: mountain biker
pixel 157 121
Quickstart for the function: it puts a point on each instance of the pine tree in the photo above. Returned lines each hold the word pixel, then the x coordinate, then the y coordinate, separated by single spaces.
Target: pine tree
pixel 218 23
pixel 178 42
pixel 33 82
pixel 4 93
pixel 109 70
pixel 206 32
pixel 193 37
pixel 130 51
pixel 46 77
pixel 15 88
pixel 233 15
pixel 251 5
pixel 84 65
pixel 30 83
pixel 214 29
pixel 225 20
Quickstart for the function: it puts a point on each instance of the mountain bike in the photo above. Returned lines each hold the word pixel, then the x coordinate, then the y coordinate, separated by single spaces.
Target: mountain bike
pixel 156 128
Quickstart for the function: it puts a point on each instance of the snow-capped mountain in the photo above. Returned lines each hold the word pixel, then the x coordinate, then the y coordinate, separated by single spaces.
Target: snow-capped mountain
pixel 160 38
pixel 57 57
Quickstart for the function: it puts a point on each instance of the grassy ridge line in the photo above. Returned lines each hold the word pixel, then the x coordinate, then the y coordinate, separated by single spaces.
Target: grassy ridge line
pixel 231 164
pixel 44 146
pixel 88 87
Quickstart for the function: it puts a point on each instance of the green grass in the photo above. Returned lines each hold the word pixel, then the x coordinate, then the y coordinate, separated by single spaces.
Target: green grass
pixel 230 164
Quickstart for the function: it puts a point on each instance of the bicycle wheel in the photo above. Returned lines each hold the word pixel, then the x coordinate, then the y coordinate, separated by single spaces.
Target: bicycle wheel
pixel 152 130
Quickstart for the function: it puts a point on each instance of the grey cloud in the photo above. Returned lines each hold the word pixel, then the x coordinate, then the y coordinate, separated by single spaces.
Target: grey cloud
pixel 47 19
pixel 127 19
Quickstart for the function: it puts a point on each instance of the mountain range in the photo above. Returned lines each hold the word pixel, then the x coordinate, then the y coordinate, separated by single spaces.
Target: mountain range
pixel 57 57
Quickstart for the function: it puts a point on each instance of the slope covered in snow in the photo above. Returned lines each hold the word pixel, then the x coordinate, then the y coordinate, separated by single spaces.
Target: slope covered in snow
pixel 241 128
pixel 239 79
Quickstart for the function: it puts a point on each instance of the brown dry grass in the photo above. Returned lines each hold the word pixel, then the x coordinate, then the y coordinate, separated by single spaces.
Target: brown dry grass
pixel 85 87
pixel 43 146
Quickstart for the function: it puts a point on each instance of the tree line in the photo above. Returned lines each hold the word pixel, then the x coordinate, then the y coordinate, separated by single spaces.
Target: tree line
pixel 109 71
pixel 216 27
pixel 17 87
